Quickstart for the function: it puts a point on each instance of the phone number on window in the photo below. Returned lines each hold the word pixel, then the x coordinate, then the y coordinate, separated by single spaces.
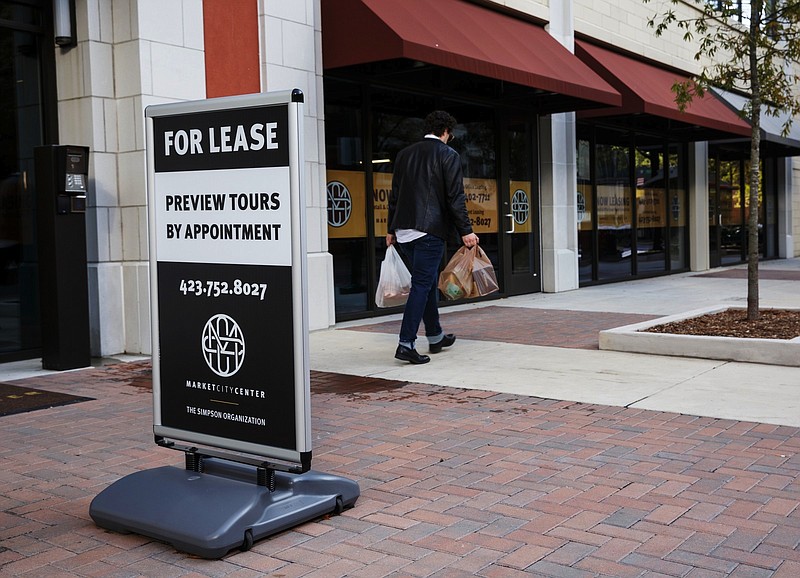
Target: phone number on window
pixel 219 288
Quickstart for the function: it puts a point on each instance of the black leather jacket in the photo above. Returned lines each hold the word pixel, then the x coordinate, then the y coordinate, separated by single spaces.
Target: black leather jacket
pixel 428 191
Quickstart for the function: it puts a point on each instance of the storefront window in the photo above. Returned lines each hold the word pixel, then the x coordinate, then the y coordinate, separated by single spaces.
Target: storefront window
pixel 393 130
pixel 346 196
pixel 614 208
pixel 762 214
pixel 730 212
pixel 366 127
pixel 585 219
pixel 769 212
pixel 677 215
pixel 652 176
pixel 397 121
pixel 475 142
pixel 632 205
pixel 729 208
pixel 713 217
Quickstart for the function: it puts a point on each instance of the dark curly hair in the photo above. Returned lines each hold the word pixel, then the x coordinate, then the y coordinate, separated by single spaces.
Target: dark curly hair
pixel 439 120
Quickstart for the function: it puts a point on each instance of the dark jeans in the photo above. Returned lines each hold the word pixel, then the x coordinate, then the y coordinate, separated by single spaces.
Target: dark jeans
pixel 423 257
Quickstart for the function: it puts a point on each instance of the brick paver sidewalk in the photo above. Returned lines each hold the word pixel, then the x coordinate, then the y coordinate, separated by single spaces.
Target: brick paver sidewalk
pixel 453 483
pixel 525 326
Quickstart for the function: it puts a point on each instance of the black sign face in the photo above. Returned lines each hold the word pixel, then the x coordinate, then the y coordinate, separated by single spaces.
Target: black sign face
pixel 222 139
pixel 226 351
pixel 225 245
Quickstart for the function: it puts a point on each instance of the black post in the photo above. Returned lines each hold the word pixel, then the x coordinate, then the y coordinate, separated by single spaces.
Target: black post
pixel 61 185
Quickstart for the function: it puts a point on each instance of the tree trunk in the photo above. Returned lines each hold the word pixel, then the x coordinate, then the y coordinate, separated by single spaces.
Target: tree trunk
pixel 755 158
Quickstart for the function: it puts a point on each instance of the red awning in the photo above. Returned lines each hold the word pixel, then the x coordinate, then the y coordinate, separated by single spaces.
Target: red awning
pixel 647 89
pixel 458 35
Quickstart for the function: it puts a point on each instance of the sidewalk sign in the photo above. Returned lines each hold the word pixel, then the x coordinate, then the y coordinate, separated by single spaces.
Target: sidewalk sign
pixel 231 378
pixel 227 255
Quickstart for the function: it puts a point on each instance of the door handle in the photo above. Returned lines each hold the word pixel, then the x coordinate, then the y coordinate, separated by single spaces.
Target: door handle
pixel 511 216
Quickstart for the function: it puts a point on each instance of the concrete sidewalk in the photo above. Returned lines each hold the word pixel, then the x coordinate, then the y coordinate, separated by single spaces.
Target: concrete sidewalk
pixel 499 360
pixel 476 464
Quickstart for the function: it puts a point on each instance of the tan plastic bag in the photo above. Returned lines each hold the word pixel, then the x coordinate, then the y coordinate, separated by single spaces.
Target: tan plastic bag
pixel 484 280
pixel 469 273
pixel 455 280
pixel 394 283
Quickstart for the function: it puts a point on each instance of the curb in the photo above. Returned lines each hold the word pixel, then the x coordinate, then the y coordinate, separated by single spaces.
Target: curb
pixel 633 339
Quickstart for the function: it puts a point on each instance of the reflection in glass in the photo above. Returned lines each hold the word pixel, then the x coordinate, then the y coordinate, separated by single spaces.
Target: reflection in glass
pixel 397 120
pixel 20 131
pixel 651 183
pixel 730 207
pixel 475 141
pixel 521 199
pixel 614 211
pixel 584 212
pixel 762 215
pixel 713 218
pixel 346 197
pixel 769 213
pixel 632 205
pixel 677 215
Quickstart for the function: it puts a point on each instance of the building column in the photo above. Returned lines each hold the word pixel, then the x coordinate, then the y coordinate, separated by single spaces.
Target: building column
pixel 558 176
pixel 558 193
pixel 699 258
pixel 291 57
pixel 130 54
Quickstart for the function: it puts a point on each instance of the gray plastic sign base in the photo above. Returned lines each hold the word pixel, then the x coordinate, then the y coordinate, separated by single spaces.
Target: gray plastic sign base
pixel 211 513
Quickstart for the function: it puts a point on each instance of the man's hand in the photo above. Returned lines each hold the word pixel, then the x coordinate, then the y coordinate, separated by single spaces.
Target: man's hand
pixel 390 239
pixel 470 240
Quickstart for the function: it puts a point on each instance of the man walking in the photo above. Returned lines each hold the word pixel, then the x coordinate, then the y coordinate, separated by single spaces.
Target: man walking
pixel 426 203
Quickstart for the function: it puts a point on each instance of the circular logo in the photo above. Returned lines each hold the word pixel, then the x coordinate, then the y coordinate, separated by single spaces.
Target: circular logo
pixel 223 345
pixel 520 206
pixel 340 204
pixel 581 207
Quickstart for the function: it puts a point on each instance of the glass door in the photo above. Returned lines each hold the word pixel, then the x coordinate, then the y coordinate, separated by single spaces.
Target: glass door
pixel 21 129
pixel 726 213
pixel 519 212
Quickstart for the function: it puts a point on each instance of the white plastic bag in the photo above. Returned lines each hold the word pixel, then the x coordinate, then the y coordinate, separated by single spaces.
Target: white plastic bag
pixel 394 283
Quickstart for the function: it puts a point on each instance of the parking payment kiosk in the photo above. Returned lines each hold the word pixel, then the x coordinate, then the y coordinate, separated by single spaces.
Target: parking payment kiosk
pixel 62 174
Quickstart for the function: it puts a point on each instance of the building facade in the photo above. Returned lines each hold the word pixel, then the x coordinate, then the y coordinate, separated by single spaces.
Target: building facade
pixel 578 168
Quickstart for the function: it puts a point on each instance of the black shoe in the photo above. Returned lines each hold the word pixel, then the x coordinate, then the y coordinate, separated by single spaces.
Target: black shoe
pixel 407 354
pixel 446 341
